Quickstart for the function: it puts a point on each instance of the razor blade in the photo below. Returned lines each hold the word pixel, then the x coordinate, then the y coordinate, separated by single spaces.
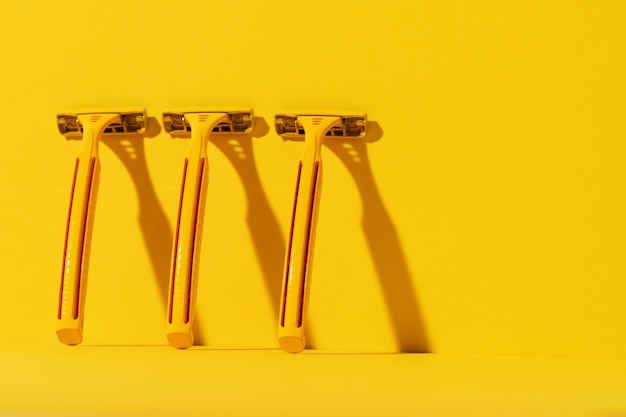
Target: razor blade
pixel 353 125
pixel 239 120
pixel 297 275
pixel 129 121
pixel 90 126
pixel 200 123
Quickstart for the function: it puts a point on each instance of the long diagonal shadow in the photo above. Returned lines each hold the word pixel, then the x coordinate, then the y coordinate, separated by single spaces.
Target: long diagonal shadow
pixel 384 245
pixel 262 223
pixel 155 228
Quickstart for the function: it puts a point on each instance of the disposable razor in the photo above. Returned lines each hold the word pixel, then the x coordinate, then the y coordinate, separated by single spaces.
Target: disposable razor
pixel 315 127
pixel 90 126
pixel 200 123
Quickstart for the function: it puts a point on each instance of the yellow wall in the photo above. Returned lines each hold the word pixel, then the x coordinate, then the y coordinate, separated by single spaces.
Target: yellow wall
pixel 484 213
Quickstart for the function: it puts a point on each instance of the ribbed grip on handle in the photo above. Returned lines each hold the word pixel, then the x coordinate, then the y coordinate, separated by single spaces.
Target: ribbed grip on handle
pixel 299 258
pixel 187 239
pixel 79 226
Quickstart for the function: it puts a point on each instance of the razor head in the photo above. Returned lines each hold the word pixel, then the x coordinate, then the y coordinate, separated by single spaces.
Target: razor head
pixel 130 121
pixel 353 124
pixel 240 120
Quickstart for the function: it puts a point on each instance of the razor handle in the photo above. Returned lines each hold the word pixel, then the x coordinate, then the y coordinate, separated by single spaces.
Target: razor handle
pixel 188 234
pixel 78 231
pixel 299 256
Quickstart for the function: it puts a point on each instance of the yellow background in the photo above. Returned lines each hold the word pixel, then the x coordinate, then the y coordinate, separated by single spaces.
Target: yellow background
pixel 483 214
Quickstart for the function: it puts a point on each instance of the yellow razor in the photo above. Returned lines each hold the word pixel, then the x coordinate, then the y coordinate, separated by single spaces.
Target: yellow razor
pixel 314 126
pixel 90 126
pixel 200 123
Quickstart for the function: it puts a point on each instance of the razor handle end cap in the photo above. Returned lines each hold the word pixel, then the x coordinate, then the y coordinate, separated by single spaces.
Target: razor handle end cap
pixel 291 344
pixel 70 337
pixel 180 340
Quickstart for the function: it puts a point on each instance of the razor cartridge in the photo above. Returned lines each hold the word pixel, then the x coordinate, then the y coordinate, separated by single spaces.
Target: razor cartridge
pixel 90 126
pixel 315 127
pixel 200 124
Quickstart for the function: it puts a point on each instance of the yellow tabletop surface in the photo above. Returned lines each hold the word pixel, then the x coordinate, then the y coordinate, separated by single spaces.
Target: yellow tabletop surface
pixel 49 379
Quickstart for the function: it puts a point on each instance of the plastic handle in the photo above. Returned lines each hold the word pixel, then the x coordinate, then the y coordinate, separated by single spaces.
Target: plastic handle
pixel 187 239
pixel 299 257
pixel 78 230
